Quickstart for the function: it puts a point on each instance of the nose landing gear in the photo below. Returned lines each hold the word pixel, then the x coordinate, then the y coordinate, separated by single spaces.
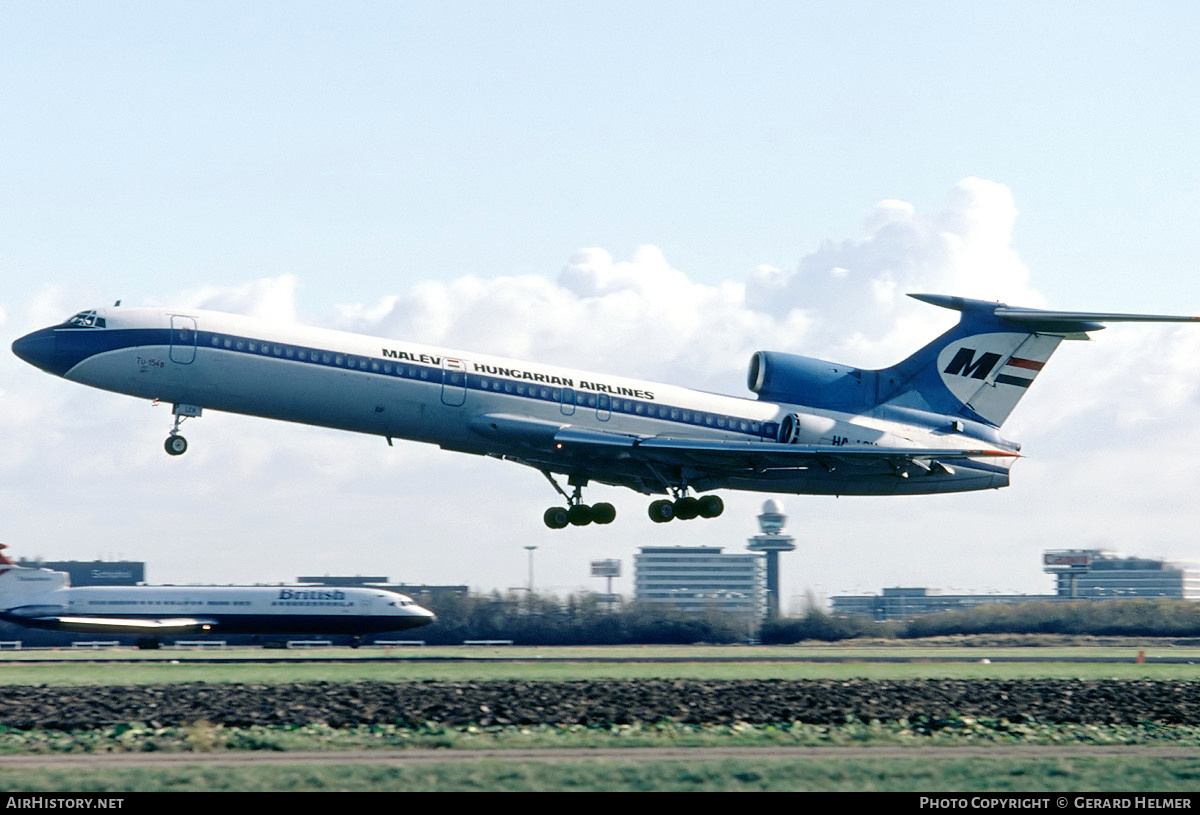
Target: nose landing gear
pixel 176 445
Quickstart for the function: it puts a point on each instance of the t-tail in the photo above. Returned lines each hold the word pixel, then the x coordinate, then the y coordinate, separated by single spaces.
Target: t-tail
pixel 982 367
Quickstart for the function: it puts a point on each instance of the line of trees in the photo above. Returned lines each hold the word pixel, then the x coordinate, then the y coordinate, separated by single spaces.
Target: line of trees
pixel 578 620
pixel 538 619
pixel 583 620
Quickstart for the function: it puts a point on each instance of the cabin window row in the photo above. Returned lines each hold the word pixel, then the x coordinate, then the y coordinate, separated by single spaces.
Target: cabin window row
pixel 631 407
pixel 302 354
pixel 566 396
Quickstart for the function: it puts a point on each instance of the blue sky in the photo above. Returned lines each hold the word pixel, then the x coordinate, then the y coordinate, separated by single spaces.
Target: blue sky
pixel 330 161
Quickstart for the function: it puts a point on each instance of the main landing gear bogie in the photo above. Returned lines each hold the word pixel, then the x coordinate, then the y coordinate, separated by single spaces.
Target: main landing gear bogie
pixel 576 513
pixel 686 508
pixel 579 515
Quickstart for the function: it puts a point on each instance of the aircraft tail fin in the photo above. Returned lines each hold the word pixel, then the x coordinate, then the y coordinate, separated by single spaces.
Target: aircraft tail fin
pixel 982 367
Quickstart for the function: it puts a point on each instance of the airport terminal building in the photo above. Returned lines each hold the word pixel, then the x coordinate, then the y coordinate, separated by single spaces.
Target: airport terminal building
pixel 1079 574
pixel 1082 574
pixel 697 579
pixel 94 572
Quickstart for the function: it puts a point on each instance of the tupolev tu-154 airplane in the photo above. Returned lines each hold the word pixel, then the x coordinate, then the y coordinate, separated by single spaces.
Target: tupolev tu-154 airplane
pixel 928 424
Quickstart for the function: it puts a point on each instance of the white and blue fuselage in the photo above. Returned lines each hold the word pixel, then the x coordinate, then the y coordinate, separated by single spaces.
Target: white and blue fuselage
pixel 43 598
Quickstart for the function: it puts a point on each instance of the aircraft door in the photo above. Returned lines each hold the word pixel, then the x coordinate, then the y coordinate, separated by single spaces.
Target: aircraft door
pixel 567 402
pixel 183 339
pixel 603 407
pixel 454 382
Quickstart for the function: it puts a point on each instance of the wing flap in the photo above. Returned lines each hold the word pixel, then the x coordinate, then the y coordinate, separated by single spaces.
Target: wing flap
pixel 799 455
pixel 721 454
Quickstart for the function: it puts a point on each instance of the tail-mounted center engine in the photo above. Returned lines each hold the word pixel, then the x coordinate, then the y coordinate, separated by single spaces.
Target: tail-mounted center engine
pixel 814 383
pixel 801 380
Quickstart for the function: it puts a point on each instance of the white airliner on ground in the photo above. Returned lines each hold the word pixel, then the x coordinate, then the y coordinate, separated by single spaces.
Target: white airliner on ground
pixel 928 424
pixel 44 598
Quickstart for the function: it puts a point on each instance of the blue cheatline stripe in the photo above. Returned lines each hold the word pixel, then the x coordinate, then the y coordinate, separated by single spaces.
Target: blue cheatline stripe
pixel 104 340
pixel 435 375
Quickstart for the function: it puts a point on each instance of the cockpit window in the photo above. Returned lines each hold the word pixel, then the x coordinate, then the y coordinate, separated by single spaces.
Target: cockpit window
pixel 86 319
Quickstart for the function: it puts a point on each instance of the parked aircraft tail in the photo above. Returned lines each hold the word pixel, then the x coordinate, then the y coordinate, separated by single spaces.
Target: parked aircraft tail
pixel 982 367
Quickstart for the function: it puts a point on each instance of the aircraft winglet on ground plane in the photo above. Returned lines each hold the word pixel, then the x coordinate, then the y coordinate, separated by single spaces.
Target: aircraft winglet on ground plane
pixel 928 424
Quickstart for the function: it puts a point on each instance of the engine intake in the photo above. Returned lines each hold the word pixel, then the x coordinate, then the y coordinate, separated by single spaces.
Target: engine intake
pixel 803 380
pixel 805 428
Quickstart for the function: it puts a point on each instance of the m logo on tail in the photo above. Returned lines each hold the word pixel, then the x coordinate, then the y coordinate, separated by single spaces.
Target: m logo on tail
pixel 1016 371
pixel 989 373
pixel 965 364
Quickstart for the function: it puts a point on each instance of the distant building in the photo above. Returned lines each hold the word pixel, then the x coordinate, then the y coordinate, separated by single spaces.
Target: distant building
pixel 94 572
pixel 1100 574
pixel 900 603
pixel 1079 574
pixel 697 579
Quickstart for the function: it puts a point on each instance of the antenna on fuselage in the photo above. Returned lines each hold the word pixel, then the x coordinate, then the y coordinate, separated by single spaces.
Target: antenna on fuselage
pixel 116 304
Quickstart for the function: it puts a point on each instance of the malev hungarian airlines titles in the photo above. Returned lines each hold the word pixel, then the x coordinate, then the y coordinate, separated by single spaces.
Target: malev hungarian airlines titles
pixel 928 424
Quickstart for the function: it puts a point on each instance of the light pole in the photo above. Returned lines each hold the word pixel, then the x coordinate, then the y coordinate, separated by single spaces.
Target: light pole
pixel 530 549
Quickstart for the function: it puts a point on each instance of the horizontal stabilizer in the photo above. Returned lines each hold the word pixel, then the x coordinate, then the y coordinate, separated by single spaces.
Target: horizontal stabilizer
pixel 1047 316
pixel 1027 314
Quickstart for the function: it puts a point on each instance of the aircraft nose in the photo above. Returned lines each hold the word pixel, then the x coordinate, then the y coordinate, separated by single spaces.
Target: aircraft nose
pixel 40 349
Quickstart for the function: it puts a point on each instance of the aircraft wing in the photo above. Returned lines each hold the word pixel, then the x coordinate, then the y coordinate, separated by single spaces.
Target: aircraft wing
pixel 117 625
pixel 722 456
pixel 706 454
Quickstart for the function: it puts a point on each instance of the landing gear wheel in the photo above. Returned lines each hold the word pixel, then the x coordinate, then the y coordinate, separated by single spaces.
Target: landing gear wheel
pixel 580 515
pixel 687 508
pixel 661 511
pixel 604 513
pixel 176 445
pixel 711 506
pixel 556 517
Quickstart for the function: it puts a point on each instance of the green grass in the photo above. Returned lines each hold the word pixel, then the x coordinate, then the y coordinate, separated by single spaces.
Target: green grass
pixel 245 674
pixel 1064 775
pixel 466 664
pixel 1123 773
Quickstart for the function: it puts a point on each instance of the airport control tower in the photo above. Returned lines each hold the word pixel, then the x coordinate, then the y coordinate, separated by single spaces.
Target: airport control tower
pixel 772 541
